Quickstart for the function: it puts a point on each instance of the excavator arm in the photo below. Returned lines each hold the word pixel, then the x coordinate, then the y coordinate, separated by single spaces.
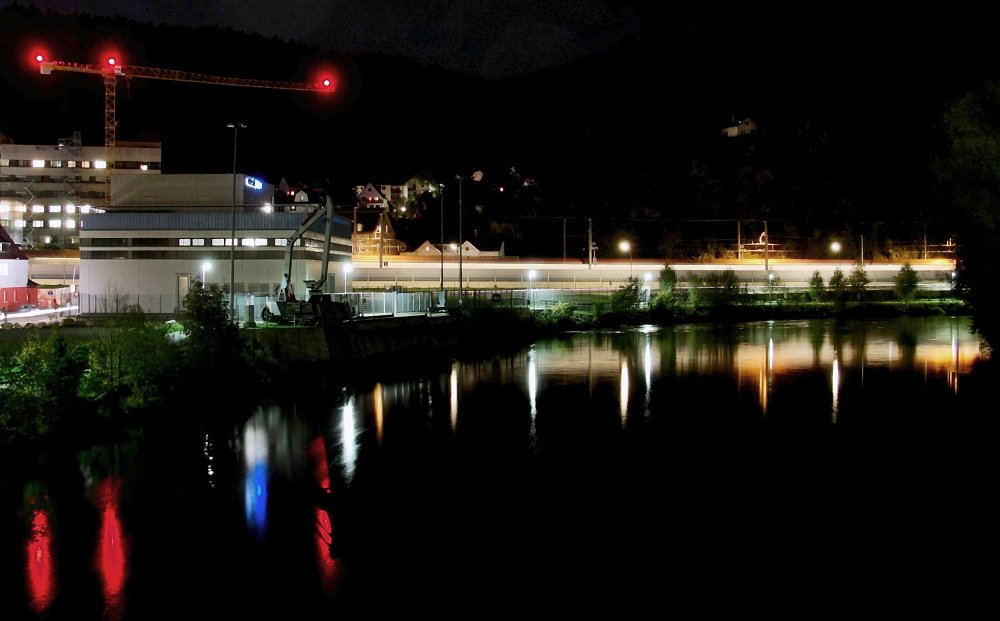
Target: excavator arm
pixel 310 221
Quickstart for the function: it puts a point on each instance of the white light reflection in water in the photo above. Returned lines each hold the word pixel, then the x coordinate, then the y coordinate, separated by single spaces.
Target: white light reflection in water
pixel 835 380
pixel 255 455
pixel 953 372
pixel 532 391
pixel 623 392
pixel 453 391
pixel 348 440
pixel 208 450
pixel 378 399
pixel 647 369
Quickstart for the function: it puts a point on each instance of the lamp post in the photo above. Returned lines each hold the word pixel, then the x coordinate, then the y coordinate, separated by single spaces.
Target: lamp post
pixel 205 266
pixel 347 270
pixel 624 246
pixel 835 249
pixel 236 127
pixel 459 177
pixel 441 286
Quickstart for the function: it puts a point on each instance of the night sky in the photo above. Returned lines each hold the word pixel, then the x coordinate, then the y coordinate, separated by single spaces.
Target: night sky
pixel 615 105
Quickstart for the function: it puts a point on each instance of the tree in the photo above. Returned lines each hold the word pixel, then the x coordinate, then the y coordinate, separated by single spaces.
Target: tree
pixel 816 288
pixel 967 170
pixel 858 280
pixel 667 295
pixel 629 297
pixel 838 285
pixel 906 283
pixel 213 340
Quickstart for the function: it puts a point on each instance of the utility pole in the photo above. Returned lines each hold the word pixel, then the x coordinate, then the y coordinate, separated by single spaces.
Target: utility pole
pixel 590 244
pixel 767 246
pixel 459 177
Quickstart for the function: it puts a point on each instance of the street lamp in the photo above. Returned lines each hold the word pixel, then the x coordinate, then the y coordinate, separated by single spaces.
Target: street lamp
pixel 347 270
pixel 835 249
pixel 441 286
pixel 624 246
pixel 531 277
pixel 459 177
pixel 236 127
pixel 205 267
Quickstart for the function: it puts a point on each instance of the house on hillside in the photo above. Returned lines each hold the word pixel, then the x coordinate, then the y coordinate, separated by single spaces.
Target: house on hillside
pixel 373 234
pixel 469 250
pixel 746 127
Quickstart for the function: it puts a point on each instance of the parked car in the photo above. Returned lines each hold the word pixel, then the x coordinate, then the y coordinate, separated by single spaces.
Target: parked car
pixel 24 308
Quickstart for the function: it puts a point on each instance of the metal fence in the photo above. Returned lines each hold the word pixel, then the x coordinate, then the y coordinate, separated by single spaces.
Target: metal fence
pixel 393 302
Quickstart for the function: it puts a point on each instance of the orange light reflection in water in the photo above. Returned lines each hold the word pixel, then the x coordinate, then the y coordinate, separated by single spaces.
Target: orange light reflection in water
pixel 39 566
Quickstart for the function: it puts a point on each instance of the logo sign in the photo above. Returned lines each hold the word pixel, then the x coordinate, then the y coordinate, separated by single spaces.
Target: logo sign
pixel 255 183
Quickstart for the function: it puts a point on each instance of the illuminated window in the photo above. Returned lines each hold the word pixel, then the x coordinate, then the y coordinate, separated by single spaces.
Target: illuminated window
pixel 85 164
pixel 281 242
pixel 85 209
pixel 100 164
pixel 70 208
pixel 55 208
pixel 38 209
pixel 218 242
pixel 71 164
pixel 38 163
pixel 55 224
pixel 71 224
pixel 38 223
pixel 198 242
pixel 56 164
pixel 20 223
pixel 183 242
pixel 143 166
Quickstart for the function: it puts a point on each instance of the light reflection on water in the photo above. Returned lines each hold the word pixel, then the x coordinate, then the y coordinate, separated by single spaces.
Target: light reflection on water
pixel 499 460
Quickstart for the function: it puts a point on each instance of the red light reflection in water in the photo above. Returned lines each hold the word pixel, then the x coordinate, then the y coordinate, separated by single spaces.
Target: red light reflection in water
pixel 111 546
pixel 39 570
pixel 329 565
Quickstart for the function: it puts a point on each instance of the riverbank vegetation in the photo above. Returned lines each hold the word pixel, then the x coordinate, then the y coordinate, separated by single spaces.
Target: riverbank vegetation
pixel 56 387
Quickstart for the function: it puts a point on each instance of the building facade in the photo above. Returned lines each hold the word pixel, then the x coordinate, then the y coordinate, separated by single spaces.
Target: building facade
pixel 45 189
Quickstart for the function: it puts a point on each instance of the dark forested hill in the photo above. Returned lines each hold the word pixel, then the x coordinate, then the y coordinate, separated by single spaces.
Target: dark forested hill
pixel 847 110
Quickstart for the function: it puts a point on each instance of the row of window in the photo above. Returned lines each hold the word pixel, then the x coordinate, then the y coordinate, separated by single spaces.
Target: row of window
pixel 5 208
pixel 96 164
pixel 219 255
pixel 39 224
pixel 187 242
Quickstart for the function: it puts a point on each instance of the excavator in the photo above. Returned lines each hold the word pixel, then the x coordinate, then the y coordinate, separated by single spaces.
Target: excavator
pixel 318 305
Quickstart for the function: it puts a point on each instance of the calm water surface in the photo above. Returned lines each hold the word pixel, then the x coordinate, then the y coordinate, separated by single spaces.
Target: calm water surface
pixel 799 467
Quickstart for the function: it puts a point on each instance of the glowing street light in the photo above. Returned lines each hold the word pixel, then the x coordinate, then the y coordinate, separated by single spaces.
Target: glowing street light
pixel 441 286
pixel 835 249
pixel 624 246
pixel 236 127
pixel 205 267
pixel 531 277
pixel 347 270
pixel 459 177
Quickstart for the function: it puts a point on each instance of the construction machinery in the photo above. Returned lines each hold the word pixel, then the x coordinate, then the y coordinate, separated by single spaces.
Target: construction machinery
pixel 284 306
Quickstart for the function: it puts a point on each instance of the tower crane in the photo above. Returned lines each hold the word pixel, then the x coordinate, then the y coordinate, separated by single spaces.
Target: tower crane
pixel 113 69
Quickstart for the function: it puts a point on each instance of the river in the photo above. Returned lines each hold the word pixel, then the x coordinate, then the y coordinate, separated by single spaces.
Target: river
pixel 787 467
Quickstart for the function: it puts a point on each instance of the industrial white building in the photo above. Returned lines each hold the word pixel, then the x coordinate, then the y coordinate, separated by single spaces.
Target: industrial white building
pixel 45 189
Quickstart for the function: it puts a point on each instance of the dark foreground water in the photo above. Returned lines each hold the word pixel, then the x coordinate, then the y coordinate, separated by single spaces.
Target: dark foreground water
pixel 800 469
